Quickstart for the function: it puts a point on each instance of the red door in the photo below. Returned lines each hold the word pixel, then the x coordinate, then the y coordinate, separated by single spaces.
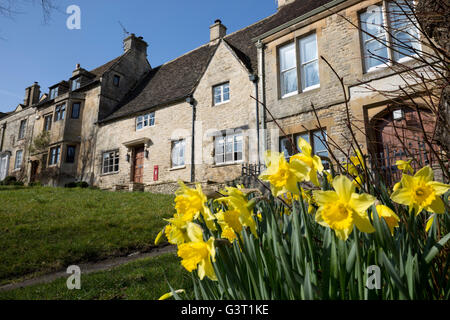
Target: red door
pixel 139 165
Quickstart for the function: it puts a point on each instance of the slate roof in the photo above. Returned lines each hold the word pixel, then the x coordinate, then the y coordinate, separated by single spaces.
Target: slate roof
pixel 177 79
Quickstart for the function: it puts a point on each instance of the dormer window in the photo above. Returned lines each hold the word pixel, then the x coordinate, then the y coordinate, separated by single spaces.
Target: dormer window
pixel 76 83
pixel 116 80
pixel 53 93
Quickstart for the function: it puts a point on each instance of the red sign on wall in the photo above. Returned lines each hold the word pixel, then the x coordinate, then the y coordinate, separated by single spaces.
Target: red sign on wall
pixel 155 173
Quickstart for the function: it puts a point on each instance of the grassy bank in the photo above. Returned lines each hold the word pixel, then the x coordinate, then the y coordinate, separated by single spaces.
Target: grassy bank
pixel 46 229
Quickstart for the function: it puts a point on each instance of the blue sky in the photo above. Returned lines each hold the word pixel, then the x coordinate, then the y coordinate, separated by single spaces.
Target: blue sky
pixel 33 51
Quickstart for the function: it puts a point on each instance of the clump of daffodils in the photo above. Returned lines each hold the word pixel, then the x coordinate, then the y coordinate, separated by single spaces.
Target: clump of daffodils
pixel 302 230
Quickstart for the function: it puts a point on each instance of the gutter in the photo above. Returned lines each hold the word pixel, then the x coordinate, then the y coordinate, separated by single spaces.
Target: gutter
pixel 193 103
pixel 299 19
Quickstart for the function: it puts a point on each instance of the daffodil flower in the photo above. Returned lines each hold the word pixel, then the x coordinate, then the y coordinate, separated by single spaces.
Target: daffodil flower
pixel 405 166
pixel 170 294
pixel 190 203
pixel 198 254
pixel 176 232
pixel 430 222
pixel 312 161
pixel 159 236
pixel 420 192
pixel 240 208
pixel 343 208
pixel 389 216
pixel 230 223
pixel 284 176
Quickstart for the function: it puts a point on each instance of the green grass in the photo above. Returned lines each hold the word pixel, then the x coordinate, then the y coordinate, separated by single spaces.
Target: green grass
pixel 146 279
pixel 44 229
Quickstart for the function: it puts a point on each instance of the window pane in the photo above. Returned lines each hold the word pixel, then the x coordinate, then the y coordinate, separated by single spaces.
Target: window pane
pixel 310 74
pixel 308 48
pixel 75 111
pixel 286 148
pixel 372 23
pixel 226 96
pixel 375 53
pixel 289 82
pixel 404 44
pixel 287 57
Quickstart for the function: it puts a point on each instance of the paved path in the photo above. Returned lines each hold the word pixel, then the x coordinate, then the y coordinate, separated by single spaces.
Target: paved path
pixel 91 267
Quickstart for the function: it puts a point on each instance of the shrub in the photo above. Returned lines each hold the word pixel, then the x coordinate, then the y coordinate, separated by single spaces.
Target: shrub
pixel 70 185
pixel 9 180
pixel 82 184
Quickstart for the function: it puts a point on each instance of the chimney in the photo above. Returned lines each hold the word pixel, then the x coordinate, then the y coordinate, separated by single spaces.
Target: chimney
pixel 217 30
pixel 32 95
pixel 78 70
pixel 282 3
pixel 135 44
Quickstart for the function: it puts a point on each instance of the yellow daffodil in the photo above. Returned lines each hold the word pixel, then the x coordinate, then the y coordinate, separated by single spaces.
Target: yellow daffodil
pixel 355 163
pixel 358 181
pixel 230 223
pixel 176 231
pixel 389 216
pixel 190 203
pixel 328 176
pixel 197 254
pixel 284 176
pixel 239 207
pixel 430 222
pixel 343 208
pixel 405 166
pixel 312 161
pixel 159 236
pixel 170 294
pixel 420 192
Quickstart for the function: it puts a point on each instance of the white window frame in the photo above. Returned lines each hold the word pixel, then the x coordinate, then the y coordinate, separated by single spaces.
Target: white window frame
pixel 60 112
pixel 18 161
pixel 390 43
pixel 76 83
pixel 111 168
pixel 177 146
pixel 53 93
pixel 224 138
pixel 222 95
pixel 304 64
pixel 148 118
pixel 283 71
pixel 57 156
pixel 4 166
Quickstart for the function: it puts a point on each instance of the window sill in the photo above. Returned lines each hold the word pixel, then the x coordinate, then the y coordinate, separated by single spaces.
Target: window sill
pixel 177 168
pixel 143 128
pixel 227 164
pixel 109 174
pixel 289 95
pixel 221 103
pixel 312 88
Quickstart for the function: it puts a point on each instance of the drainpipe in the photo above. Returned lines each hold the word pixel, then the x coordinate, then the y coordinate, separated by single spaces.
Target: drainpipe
pixel 3 136
pixel 254 79
pixel 261 75
pixel 192 102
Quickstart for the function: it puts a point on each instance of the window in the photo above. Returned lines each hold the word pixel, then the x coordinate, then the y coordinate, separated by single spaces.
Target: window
pixel 221 93
pixel 76 110
pixel 44 160
pixel 48 122
pixel 19 159
pixel 23 126
pixel 312 137
pixel 228 148
pixel 60 112
pixel 53 93
pixel 379 29
pixel 54 155
pixel 76 83
pixel 147 120
pixel 178 149
pixel 288 70
pixel 309 62
pixel 70 154
pixel 110 162
pixel 116 80
pixel 308 66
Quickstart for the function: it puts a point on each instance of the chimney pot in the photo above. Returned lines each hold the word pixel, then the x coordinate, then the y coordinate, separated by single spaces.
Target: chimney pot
pixel 77 66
